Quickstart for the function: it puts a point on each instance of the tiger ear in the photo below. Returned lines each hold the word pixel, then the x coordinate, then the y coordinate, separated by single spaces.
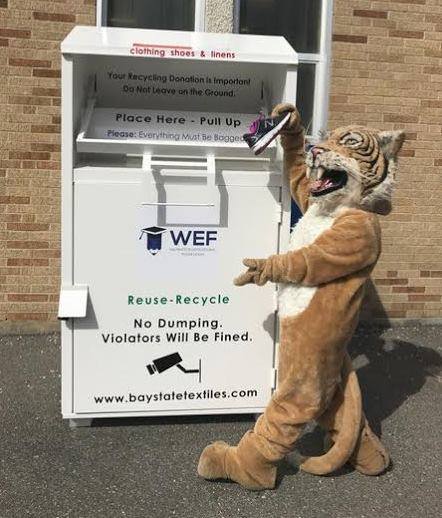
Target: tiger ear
pixel 391 143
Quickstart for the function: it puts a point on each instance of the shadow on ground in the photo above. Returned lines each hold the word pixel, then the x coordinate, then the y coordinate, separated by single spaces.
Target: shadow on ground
pixel 389 372
pixel 393 371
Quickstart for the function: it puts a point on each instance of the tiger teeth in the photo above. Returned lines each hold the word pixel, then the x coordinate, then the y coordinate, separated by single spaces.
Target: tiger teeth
pixel 321 172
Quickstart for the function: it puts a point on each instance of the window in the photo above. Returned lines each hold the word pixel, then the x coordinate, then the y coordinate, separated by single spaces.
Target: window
pixel 179 15
pixel 298 21
pixel 306 24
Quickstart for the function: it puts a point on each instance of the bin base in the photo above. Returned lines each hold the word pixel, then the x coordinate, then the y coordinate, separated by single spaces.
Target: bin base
pixel 78 423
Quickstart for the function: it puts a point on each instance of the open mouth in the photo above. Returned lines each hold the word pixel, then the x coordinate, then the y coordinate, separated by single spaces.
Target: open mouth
pixel 331 180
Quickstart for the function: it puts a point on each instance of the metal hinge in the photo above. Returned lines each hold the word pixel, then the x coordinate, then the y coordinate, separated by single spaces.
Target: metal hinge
pixel 275 300
pixel 278 213
pixel 273 378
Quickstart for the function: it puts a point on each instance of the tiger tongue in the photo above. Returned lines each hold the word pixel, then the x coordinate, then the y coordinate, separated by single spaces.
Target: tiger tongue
pixel 317 184
pixel 320 184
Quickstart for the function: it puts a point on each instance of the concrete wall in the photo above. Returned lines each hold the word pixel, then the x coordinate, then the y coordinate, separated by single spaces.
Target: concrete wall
pixel 219 15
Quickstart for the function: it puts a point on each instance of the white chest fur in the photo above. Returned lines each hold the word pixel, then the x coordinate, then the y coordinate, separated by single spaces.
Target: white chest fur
pixel 293 298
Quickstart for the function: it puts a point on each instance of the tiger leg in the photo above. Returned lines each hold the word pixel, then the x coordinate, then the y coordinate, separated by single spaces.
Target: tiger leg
pixel 369 455
pixel 253 462
pixel 309 371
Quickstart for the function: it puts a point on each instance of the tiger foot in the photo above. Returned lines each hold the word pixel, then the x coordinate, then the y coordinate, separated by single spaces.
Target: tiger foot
pixel 221 461
pixel 212 463
pixel 369 457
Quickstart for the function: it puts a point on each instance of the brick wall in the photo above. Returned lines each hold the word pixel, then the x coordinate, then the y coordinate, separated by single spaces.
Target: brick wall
pixel 387 73
pixel 30 35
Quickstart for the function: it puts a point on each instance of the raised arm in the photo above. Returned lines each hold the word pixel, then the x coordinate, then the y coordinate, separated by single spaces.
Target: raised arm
pixel 350 245
pixel 293 143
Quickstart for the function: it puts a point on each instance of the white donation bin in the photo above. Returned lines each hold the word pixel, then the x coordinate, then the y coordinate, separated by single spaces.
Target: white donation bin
pixel 162 199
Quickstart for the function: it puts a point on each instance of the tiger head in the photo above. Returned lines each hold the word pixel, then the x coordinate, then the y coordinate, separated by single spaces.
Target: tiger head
pixel 354 166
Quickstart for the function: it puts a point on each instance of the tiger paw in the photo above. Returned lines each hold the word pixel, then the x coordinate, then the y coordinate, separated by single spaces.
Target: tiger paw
pixel 258 272
pixel 211 465
pixel 370 457
pixel 221 461
pixel 294 123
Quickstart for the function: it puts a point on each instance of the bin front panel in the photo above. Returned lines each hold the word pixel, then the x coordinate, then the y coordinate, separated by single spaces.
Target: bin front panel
pixel 166 330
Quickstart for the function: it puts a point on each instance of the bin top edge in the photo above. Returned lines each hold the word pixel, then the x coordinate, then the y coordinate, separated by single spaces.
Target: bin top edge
pixel 201 46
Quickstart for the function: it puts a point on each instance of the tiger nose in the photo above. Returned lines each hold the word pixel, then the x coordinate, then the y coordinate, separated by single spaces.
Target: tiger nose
pixel 315 151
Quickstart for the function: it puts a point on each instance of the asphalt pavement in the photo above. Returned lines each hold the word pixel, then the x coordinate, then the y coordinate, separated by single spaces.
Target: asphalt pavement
pixel 146 467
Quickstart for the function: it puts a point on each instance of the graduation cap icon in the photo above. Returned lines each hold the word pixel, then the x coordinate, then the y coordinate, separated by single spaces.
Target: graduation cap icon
pixel 154 238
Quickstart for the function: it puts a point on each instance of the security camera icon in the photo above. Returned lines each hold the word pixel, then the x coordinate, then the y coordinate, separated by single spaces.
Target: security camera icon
pixel 164 363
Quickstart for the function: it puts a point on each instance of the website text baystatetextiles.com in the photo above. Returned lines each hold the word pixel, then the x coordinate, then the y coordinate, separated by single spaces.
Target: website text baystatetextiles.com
pixel 186 395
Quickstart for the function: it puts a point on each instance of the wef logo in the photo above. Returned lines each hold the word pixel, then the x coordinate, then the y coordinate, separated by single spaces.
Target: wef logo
pixel 179 238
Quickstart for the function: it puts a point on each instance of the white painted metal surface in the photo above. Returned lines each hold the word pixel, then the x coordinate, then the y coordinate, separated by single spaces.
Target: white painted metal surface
pixel 147 304
pixel 116 41
pixel 157 229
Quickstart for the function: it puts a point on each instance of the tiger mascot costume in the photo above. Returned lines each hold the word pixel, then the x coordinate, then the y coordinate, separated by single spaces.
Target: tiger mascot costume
pixel 340 186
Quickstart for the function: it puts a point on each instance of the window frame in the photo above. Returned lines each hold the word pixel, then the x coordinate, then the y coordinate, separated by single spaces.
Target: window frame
pixel 321 60
pixel 200 14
